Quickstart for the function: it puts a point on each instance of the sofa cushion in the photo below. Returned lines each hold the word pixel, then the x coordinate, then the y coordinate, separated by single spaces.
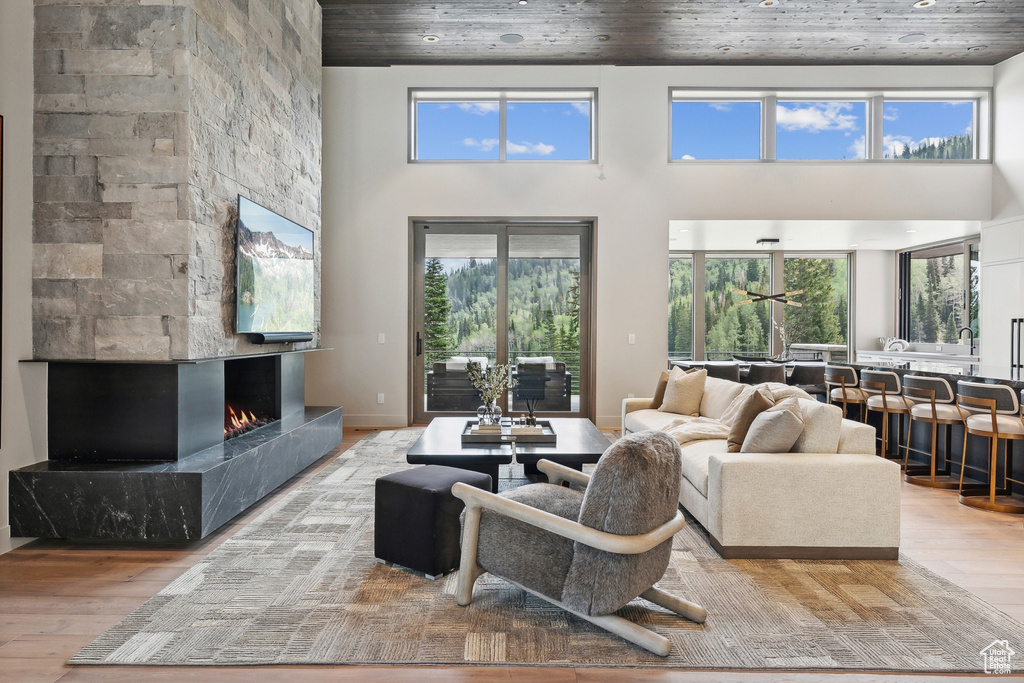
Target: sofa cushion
pixel 773 431
pixel 780 392
pixel 718 394
pixel 649 418
pixel 750 406
pixel 683 392
pixel 695 461
pixel 659 392
pixel 822 423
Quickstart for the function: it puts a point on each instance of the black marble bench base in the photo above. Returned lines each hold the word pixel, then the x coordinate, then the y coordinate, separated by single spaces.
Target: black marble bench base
pixel 162 501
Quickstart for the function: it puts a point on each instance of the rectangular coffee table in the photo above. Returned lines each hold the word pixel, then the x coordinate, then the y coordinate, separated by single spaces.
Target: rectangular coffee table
pixel 579 442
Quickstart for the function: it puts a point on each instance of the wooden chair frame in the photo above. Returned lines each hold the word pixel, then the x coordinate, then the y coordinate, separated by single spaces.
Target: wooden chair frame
pixel 837 378
pixel 868 385
pixel 975 496
pixel 477 500
pixel 929 476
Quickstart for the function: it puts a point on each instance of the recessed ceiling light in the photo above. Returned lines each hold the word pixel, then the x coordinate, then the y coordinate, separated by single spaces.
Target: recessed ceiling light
pixel 923 3
pixel 523 2
pixel 604 37
pixel 430 39
pixel 768 3
pixel 724 48
pixel 684 230
pixel 976 48
pixel 911 230
pixel 855 48
pixel 511 38
pixel 912 38
pixel 853 245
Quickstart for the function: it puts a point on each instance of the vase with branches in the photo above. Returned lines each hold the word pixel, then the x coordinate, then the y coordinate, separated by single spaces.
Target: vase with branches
pixel 492 383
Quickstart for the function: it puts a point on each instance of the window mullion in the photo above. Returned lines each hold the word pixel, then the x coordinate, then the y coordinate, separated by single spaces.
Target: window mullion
pixel 768 124
pixel 876 140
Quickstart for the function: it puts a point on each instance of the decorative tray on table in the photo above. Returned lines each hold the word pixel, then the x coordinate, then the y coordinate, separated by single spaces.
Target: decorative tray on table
pixel 508 432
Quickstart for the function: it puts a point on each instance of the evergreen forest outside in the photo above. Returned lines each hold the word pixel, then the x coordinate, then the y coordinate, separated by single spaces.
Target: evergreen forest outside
pixel 746 329
pixel 461 297
pixel 937 296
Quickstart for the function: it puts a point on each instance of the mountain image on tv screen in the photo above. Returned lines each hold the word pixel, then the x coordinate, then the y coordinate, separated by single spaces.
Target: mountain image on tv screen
pixel 275 272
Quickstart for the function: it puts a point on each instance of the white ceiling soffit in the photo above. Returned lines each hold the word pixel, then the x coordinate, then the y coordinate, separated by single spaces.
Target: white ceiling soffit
pixel 804 235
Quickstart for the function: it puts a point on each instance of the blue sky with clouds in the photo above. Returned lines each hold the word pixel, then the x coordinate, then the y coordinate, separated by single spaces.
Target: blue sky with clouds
pixel 535 130
pixel 809 130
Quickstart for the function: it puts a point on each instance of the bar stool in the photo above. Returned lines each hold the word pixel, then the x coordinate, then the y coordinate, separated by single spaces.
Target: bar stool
pixel 1000 417
pixel 842 383
pixel 933 403
pixel 884 391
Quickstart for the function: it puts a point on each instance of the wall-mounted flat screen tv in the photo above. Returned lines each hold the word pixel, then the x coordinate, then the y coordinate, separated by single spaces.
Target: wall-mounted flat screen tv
pixel 275 272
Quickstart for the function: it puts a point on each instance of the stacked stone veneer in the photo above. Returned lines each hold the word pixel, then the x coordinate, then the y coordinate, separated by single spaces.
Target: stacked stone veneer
pixel 151 118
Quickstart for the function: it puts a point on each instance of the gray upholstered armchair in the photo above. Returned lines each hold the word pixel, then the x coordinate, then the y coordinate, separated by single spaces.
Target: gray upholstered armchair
pixel 587 552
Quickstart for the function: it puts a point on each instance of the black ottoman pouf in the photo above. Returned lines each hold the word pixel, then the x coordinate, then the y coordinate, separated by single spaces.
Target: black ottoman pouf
pixel 416 517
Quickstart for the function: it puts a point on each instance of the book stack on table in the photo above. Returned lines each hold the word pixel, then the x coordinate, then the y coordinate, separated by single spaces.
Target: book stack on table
pixel 485 429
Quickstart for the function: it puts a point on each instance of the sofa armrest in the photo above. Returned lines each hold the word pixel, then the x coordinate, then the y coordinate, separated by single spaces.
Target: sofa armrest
pixel 631 404
pixel 856 437
pixel 804 500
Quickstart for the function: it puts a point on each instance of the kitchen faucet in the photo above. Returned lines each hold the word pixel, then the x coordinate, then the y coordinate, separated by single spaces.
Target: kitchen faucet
pixel 970 333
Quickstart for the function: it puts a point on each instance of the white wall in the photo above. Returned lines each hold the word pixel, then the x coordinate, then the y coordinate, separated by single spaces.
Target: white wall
pixel 874 305
pixel 1002 240
pixel 22 383
pixel 370 192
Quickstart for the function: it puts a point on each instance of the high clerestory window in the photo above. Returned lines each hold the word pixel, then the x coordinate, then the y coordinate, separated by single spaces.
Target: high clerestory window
pixel 829 125
pixel 502 125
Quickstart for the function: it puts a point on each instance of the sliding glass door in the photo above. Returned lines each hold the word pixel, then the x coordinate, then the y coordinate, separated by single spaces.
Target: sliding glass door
pixel 516 294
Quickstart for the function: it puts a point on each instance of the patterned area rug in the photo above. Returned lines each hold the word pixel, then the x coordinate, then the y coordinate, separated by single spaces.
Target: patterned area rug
pixel 299 585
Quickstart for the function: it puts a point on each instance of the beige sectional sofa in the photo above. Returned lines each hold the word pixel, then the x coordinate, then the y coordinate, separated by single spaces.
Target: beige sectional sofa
pixel 828 497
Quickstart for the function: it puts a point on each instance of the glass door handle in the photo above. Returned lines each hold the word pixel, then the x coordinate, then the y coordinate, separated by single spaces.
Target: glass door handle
pixel 419 344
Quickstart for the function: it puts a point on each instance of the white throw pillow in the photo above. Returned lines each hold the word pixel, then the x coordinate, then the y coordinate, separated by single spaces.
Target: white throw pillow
pixel 773 431
pixel 684 392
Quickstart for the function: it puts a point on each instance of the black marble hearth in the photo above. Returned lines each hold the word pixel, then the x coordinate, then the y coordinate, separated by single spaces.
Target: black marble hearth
pixel 137 451
pixel 181 500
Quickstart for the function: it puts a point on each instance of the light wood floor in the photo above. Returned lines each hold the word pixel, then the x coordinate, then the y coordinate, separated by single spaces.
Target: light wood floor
pixel 55 597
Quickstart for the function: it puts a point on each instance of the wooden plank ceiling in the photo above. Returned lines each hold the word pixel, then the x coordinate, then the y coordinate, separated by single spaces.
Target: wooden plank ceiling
pixel 662 32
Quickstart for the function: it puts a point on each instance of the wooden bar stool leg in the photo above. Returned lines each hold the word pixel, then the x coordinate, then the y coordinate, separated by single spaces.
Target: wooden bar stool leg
pixel 992 472
pixel 963 462
pixel 935 441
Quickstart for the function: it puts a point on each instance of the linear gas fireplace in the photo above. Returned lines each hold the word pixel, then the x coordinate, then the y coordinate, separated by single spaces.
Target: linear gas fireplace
pixel 167 450
pixel 106 412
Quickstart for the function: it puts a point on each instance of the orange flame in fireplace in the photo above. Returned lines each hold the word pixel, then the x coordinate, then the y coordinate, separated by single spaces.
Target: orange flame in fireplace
pixel 239 420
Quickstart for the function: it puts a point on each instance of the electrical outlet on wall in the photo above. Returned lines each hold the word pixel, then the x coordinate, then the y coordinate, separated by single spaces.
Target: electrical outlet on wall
pixel 380 399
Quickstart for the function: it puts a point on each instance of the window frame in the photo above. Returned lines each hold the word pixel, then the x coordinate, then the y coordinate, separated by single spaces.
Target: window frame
pixel 875 98
pixel 710 100
pixel 503 96
pixel 777 259
pixel 904 295
pixel 976 109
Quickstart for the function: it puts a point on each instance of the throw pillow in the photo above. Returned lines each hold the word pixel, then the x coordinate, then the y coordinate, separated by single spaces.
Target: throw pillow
pixel 736 404
pixel 683 392
pixel 750 407
pixel 773 431
pixel 659 393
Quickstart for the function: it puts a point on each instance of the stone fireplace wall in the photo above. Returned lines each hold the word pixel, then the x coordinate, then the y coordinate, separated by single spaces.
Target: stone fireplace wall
pixel 150 119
